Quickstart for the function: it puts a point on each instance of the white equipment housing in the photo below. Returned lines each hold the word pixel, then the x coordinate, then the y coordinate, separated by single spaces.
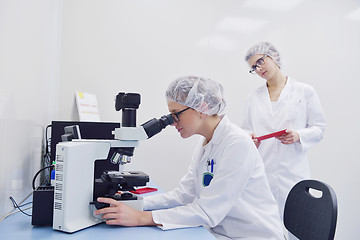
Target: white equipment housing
pixel 74 181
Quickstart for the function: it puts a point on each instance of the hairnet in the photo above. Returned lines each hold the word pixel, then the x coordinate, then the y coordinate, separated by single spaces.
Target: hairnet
pixel 264 48
pixel 203 95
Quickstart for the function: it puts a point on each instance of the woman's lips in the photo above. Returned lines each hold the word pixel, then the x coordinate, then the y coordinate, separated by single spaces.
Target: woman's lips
pixel 179 129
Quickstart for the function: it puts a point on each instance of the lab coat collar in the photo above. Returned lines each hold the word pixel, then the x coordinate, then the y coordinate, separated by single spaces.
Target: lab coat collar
pixel 286 89
pixel 266 96
pixel 219 130
pixel 284 92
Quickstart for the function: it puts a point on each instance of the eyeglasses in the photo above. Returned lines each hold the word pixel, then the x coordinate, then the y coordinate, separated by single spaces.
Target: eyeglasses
pixel 259 63
pixel 175 116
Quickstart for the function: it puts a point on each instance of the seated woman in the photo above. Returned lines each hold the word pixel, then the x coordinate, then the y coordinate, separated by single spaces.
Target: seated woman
pixel 225 188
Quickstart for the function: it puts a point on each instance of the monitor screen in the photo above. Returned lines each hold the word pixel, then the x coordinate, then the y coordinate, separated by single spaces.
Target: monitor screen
pixel 88 130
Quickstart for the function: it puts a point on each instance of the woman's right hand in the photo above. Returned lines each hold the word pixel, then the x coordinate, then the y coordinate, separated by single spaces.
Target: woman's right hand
pixel 256 142
pixel 120 214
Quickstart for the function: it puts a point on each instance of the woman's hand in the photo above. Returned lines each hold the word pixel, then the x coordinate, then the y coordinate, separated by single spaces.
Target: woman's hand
pixel 120 214
pixel 289 137
pixel 256 142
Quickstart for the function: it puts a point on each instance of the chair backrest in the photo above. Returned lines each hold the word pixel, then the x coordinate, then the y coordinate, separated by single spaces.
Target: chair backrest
pixel 311 217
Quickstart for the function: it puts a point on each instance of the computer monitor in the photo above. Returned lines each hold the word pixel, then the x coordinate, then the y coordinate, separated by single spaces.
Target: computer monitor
pixel 88 130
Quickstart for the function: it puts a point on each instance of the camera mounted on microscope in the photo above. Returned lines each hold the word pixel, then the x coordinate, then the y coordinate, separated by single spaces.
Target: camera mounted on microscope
pixel 128 103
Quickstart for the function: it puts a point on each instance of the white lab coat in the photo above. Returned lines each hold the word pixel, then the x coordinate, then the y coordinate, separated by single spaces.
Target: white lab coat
pixel 237 203
pixel 298 108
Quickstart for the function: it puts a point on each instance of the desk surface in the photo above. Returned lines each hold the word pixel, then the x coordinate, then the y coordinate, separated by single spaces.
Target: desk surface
pixel 18 226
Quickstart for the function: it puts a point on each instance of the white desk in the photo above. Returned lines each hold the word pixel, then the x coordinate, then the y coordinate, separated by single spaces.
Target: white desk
pixel 18 226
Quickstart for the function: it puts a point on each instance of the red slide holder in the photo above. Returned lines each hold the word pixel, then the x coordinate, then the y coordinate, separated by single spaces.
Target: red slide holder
pixel 274 134
pixel 144 190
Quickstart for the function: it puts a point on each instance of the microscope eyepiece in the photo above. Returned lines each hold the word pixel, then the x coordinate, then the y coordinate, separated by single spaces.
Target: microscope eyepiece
pixel 166 120
pixel 154 126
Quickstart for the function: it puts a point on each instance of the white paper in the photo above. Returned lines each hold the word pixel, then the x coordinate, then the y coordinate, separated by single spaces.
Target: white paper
pixel 87 107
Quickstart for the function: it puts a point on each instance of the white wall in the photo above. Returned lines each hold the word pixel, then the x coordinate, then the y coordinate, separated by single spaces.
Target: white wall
pixel 140 46
pixel 28 75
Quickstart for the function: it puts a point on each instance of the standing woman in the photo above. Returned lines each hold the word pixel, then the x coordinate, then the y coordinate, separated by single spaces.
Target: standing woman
pixel 282 103
pixel 225 188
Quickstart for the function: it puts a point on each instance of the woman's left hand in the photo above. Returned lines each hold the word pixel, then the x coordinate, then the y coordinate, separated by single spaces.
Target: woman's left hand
pixel 120 214
pixel 289 137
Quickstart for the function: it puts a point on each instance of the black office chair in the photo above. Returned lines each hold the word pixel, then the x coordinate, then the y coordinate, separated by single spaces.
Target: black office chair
pixel 311 217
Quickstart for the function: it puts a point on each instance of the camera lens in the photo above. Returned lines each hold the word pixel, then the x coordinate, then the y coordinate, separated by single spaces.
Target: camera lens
pixel 128 117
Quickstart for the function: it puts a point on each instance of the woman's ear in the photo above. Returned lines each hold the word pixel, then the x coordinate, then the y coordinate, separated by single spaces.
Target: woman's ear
pixel 203 108
pixel 203 115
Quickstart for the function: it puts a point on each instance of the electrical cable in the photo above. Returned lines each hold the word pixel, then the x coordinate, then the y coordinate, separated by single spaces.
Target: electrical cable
pixel 38 172
pixel 18 207
pixel 47 159
pixel 25 204
pixel 12 211
pixel 47 156
pixel 48 145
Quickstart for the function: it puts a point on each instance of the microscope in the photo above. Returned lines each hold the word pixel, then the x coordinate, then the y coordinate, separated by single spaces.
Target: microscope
pixel 87 169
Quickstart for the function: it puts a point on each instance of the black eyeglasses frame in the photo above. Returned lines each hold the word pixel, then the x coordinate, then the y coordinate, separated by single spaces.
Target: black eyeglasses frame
pixel 253 67
pixel 175 116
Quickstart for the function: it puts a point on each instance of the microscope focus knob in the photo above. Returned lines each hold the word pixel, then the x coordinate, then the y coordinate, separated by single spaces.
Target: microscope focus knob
pixel 100 205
